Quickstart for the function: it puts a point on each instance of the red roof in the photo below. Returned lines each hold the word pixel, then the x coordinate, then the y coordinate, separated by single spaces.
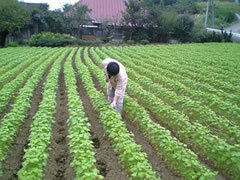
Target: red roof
pixel 105 9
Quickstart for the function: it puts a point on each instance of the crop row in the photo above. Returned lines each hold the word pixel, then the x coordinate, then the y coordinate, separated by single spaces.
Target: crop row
pixel 195 111
pixel 206 74
pixel 196 74
pixel 130 155
pixel 11 122
pixel 13 61
pixel 189 79
pixel 35 157
pixel 219 106
pixel 194 134
pixel 9 53
pixel 26 61
pixel 175 153
pixel 80 143
pixel 192 57
pixel 10 88
pixel 208 56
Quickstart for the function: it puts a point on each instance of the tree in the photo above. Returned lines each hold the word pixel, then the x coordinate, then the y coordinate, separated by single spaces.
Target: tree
pixel 12 15
pixel 183 28
pixel 186 6
pixel 148 20
pixel 38 18
pixel 74 17
pixel 55 22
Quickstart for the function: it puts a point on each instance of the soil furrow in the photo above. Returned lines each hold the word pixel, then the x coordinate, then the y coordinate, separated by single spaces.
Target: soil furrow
pixel 59 159
pixel 15 155
pixel 107 160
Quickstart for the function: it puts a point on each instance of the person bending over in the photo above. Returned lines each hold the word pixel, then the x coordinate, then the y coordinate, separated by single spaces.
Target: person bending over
pixel 116 78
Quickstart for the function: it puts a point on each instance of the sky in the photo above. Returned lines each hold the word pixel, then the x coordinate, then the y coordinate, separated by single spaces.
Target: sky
pixel 53 4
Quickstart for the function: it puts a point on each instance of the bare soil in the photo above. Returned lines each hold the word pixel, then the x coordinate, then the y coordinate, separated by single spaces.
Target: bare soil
pixel 59 159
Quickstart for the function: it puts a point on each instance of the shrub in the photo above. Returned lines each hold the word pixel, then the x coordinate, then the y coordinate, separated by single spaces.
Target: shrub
pixel 183 28
pixel 50 39
pixel 13 44
pixel 144 41
pixel 130 42
pixel 52 42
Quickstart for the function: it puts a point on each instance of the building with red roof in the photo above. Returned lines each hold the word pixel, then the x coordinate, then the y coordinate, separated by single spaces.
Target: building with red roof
pixel 103 11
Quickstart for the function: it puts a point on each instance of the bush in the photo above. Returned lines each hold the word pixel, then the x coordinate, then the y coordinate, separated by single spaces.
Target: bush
pixel 183 28
pixel 144 41
pixel 13 44
pixel 130 42
pixel 215 37
pixel 52 42
pixel 51 39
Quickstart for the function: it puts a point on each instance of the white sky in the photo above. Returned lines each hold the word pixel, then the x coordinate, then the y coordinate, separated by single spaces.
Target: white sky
pixel 53 4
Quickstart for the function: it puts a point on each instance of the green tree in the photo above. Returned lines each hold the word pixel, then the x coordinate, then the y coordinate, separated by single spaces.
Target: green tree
pixel 74 17
pixel 187 6
pixel 55 22
pixel 12 15
pixel 149 20
pixel 183 28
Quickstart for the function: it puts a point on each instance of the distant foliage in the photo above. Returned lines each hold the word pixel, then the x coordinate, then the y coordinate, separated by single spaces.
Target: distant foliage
pixel 51 39
pixel 13 44
pixel 183 28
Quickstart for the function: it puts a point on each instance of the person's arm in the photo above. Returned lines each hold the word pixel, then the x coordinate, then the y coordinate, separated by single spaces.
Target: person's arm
pixel 116 97
pixel 105 71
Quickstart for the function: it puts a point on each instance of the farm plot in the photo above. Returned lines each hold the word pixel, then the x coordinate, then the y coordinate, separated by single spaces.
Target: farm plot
pixel 181 116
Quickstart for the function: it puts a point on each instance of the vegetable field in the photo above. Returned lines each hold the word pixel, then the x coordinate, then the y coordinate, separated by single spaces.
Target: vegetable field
pixel 181 115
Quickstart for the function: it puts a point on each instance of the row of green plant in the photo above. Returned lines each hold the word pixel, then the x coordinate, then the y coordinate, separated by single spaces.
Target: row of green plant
pixel 13 60
pixel 194 110
pixel 176 155
pixel 218 80
pixel 206 55
pixel 201 81
pixel 190 79
pixel 193 134
pixel 12 121
pixel 197 70
pixel 26 61
pixel 130 155
pixel 10 88
pixel 80 143
pixel 11 53
pixel 35 157
pixel 220 107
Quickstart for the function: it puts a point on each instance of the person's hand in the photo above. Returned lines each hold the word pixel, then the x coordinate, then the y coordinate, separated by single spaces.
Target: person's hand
pixel 113 105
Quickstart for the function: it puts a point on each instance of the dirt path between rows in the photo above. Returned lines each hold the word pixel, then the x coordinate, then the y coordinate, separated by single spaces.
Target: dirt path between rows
pixel 107 160
pixel 59 159
pixel 157 163
pixel 15 155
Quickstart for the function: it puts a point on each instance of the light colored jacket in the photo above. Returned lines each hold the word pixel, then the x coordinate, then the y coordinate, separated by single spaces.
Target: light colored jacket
pixel 118 82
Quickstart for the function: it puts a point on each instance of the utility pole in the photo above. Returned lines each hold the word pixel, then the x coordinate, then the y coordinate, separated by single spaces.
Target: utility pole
pixel 212 14
pixel 206 17
pixel 211 2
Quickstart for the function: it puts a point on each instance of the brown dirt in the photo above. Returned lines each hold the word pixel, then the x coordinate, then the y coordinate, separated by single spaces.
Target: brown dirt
pixel 107 160
pixel 15 155
pixel 157 163
pixel 59 159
